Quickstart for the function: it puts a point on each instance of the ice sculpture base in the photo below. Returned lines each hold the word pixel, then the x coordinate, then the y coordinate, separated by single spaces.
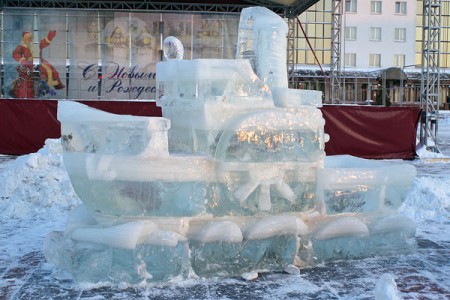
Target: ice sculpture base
pixel 143 250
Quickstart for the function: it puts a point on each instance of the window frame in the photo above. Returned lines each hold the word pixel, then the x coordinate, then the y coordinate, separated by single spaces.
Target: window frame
pixel 400 34
pixel 350 59
pixel 350 33
pixel 374 7
pixel 401 8
pixel 375 34
pixel 374 60
pixel 399 60
pixel 351 6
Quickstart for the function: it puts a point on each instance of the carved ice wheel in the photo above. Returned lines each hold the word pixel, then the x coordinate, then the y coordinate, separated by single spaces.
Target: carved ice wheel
pixel 255 146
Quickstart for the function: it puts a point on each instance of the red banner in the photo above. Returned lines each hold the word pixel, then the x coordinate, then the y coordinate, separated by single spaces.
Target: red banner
pixel 371 131
pixel 26 124
pixel 365 131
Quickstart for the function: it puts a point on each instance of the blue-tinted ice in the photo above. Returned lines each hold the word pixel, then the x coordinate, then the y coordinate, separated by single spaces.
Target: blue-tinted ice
pixel 233 178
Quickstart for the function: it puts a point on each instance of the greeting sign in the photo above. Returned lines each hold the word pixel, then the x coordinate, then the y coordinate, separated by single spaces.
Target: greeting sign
pixel 131 83
pixel 90 55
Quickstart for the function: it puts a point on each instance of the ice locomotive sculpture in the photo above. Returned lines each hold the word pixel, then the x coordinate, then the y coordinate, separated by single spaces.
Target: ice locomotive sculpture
pixel 232 179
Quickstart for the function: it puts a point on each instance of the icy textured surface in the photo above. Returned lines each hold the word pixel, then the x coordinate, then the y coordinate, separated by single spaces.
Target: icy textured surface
pixel 173 48
pixel 232 180
pixel 283 97
pixel 108 133
pixel 262 40
pixel 386 288
pixel 351 184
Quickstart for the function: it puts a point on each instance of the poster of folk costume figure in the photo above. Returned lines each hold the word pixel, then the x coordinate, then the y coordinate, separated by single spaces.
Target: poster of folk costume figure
pixel 26 85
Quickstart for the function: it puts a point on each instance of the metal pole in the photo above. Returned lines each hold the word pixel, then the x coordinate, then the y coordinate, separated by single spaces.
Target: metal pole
pixel 335 67
pixel 430 81
pixel 383 82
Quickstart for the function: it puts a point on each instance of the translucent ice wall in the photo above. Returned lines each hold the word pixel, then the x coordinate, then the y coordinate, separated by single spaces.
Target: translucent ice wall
pixel 202 97
pixel 350 184
pixel 94 131
pixel 262 40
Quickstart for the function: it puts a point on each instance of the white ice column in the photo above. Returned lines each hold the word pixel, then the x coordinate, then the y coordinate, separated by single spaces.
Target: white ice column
pixel 262 39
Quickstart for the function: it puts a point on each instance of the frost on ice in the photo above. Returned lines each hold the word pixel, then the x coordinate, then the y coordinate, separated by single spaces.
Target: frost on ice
pixel 232 180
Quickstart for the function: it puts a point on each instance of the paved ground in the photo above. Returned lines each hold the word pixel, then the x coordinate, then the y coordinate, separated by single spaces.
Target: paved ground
pixel 424 275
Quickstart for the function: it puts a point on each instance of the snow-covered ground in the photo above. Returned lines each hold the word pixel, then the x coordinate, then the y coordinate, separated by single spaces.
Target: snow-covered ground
pixel 36 196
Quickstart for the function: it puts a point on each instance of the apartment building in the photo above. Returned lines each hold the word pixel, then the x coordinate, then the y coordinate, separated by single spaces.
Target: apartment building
pixel 378 34
pixel 375 35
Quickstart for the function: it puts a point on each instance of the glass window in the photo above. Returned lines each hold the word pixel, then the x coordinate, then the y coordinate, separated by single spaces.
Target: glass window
pixel 301 57
pixel 327 57
pixel 319 16
pixel 400 7
pixel 400 35
pixel 311 60
pixel 327 30
pixel 374 60
pixel 418 47
pixel 399 60
pixel 301 43
pixel 351 6
pixel 375 7
pixel 375 34
pixel 302 18
pixel 319 44
pixel 319 30
pixel 350 59
pixel 350 33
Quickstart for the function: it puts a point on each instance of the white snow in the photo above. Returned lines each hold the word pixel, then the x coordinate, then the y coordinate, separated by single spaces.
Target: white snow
pixel 37 186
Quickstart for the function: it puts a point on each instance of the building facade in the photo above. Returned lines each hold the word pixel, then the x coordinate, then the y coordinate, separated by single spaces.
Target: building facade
pixel 376 36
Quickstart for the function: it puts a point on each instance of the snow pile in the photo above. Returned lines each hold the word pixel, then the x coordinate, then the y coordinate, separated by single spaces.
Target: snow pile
pixel 36 186
pixel 429 200
pixel 423 153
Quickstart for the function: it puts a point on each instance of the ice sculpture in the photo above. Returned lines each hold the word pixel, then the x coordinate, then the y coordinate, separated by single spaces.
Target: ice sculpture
pixel 233 179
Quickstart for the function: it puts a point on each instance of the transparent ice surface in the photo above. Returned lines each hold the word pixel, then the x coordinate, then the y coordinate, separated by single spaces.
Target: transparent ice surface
pixel 262 40
pixel 386 288
pixel 173 48
pixel 351 238
pixel 351 184
pixel 94 131
pixel 232 179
